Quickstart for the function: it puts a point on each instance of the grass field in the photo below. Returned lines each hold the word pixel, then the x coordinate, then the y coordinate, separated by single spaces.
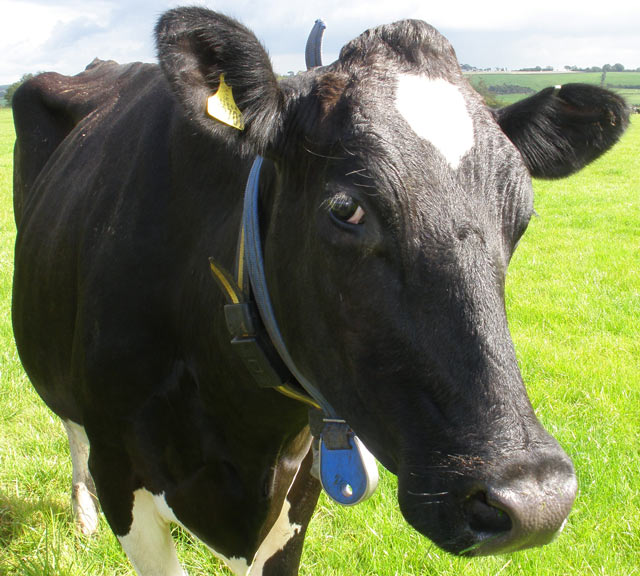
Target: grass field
pixel 537 81
pixel 573 294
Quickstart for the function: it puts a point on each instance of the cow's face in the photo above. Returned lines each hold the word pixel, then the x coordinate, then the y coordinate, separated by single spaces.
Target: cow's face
pixel 395 204
pixel 387 252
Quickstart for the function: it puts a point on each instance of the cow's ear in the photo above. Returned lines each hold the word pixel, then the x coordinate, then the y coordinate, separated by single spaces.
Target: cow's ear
pixel 560 130
pixel 222 76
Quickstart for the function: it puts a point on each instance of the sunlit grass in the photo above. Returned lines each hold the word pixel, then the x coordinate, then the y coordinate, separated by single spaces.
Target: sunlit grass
pixel 573 296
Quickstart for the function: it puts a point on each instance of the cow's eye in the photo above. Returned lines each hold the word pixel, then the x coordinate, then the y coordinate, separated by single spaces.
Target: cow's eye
pixel 346 209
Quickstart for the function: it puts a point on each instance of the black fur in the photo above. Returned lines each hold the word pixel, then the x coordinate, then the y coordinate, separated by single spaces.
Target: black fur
pixel 124 188
pixel 558 132
pixel 410 42
pixel 195 46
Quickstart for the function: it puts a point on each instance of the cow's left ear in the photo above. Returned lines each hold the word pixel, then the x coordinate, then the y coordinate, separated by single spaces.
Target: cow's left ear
pixel 560 130
pixel 221 75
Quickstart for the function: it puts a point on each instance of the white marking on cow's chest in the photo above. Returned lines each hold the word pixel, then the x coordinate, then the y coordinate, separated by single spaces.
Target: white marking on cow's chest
pixel 148 544
pixel 281 532
pixel 436 111
pixel 237 565
pixel 150 547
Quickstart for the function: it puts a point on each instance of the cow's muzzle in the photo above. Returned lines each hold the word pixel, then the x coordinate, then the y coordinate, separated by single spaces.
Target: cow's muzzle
pixel 491 509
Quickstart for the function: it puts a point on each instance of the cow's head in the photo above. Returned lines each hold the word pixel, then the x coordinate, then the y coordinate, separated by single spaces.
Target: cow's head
pixel 394 205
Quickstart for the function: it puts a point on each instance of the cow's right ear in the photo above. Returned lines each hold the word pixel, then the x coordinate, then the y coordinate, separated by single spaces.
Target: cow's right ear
pixel 560 130
pixel 222 76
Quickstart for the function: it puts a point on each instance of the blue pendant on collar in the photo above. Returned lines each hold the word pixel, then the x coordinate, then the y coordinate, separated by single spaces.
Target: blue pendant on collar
pixel 348 471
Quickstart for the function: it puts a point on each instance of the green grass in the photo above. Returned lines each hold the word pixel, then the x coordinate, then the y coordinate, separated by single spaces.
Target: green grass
pixel 573 296
pixel 538 81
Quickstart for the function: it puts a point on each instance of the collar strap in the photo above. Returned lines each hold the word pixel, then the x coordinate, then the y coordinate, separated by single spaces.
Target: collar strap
pixel 255 268
pixel 346 469
pixel 260 353
pixel 251 346
pixel 267 359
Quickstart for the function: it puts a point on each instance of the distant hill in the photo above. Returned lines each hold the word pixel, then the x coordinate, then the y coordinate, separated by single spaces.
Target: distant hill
pixel 509 87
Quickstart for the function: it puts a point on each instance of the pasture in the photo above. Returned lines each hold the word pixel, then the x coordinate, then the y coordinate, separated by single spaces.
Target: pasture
pixel 619 82
pixel 573 297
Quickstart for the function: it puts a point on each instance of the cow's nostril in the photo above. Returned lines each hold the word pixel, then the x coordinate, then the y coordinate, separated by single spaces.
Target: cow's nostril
pixel 484 517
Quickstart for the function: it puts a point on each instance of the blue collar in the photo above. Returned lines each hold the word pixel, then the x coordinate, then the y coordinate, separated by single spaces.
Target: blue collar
pixel 346 469
pixel 255 269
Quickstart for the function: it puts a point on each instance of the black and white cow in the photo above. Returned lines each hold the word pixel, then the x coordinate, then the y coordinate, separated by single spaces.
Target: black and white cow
pixel 391 201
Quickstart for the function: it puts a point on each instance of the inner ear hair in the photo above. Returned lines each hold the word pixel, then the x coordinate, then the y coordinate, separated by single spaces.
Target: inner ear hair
pixel 196 47
pixel 330 90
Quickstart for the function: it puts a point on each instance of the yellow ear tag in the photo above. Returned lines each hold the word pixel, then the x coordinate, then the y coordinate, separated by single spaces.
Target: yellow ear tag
pixel 222 106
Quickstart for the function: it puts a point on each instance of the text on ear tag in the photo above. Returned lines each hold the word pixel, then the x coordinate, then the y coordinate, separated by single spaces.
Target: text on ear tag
pixel 222 106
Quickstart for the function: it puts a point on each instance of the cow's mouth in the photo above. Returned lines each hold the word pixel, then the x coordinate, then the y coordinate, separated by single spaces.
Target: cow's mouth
pixel 472 517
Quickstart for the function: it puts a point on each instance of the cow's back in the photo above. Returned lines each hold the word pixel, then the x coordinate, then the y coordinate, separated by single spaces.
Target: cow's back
pixel 79 141
pixel 48 107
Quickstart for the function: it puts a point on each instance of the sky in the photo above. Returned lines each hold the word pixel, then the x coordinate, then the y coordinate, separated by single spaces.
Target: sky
pixel 65 35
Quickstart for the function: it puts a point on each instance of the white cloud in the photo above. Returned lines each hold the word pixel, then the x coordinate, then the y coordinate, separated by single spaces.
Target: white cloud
pixel 597 49
pixel 65 35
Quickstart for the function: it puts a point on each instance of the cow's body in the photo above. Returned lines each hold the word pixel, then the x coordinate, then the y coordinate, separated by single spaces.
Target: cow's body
pixel 122 194
pixel 200 436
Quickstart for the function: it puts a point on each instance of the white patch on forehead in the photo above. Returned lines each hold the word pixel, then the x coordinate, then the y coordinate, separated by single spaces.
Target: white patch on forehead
pixel 436 111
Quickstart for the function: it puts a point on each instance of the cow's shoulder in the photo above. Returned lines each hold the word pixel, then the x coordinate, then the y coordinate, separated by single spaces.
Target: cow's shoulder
pixel 71 98
pixel 49 106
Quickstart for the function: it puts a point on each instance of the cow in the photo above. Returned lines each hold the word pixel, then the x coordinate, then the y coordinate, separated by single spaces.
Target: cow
pixel 390 200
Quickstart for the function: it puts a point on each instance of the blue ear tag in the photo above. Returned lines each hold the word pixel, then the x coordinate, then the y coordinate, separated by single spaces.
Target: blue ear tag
pixel 348 471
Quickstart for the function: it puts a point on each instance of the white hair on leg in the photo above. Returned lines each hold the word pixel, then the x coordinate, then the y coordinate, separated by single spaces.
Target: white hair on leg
pixel 149 544
pixel 83 492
